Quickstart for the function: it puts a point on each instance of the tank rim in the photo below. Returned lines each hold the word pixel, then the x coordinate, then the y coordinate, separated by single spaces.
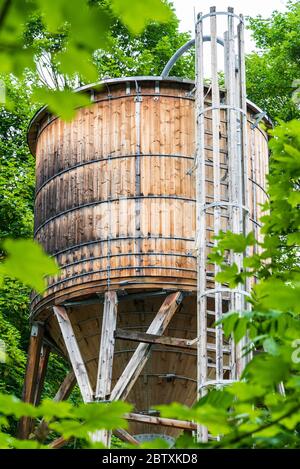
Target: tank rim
pixel 40 113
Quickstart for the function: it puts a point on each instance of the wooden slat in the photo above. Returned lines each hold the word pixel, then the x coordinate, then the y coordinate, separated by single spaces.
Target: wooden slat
pixel 141 354
pixel 74 353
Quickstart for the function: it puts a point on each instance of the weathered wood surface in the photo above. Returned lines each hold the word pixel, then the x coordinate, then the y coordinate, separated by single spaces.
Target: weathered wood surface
pixel 106 356
pixel 107 345
pixel 74 353
pixel 116 189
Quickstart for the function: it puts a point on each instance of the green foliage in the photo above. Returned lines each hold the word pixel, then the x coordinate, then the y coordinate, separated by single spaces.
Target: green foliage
pixel 66 419
pixel 272 73
pixel 135 15
pixel 62 103
pixel 62 23
pixel 27 262
pixel 256 412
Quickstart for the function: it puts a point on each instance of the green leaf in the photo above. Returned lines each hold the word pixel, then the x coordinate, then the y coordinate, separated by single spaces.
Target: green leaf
pixel 240 329
pixel 246 391
pixel 136 14
pixel 270 346
pixel 62 103
pixel 229 274
pixel 27 262
pixel 229 321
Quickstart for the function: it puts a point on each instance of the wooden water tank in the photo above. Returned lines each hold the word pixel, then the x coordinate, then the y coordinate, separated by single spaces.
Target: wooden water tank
pixel 115 205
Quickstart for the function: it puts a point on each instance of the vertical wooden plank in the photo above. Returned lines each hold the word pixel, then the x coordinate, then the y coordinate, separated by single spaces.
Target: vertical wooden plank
pixel 107 344
pixel 106 354
pixel 74 353
pixel 32 368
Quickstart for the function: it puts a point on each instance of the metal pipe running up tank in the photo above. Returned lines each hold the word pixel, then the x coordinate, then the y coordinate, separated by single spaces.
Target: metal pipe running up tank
pixel 188 45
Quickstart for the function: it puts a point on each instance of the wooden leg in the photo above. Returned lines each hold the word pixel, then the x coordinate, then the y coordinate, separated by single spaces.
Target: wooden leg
pixel 106 355
pixel 31 376
pixel 142 353
pixel 44 358
pixel 74 353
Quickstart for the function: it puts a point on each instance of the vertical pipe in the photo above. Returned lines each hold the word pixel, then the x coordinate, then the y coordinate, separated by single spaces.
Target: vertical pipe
pixel 201 222
pixel 217 182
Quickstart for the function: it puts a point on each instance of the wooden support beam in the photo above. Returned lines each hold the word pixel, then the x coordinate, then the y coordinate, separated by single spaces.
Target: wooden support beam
pixel 154 339
pixel 142 353
pixel 107 345
pixel 31 376
pixel 58 443
pixel 163 340
pixel 66 387
pixel 44 358
pixel 106 355
pixel 149 419
pixel 74 353
pixel 125 436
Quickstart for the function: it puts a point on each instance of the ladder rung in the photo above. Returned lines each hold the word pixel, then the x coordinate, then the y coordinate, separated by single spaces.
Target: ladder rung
pixel 211 346
pixel 212 329
pixel 213 365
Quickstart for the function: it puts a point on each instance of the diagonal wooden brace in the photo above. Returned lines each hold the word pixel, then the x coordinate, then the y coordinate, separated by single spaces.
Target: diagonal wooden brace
pixel 74 353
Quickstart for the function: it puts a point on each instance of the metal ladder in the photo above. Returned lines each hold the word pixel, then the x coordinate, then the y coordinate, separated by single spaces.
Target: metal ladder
pixel 219 361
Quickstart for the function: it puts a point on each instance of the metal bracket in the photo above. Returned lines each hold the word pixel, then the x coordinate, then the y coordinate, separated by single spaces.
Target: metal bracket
pixel 258 118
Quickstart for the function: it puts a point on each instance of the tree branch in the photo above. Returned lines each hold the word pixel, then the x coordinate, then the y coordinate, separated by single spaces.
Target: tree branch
pixel 241 437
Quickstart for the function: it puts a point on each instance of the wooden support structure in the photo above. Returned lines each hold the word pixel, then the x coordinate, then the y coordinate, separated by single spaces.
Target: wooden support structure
pixel 66 387
pixel 74 353
pixel 31 376
pixel 44 358
pixel 107 345
pixel 141 354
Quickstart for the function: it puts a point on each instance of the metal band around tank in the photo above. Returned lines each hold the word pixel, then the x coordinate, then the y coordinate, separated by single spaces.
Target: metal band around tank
pixel 107 201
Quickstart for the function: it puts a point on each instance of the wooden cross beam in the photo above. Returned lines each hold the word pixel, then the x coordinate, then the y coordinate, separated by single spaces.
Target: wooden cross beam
pixel 142 353
pixel 74 353
pixel 151 420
